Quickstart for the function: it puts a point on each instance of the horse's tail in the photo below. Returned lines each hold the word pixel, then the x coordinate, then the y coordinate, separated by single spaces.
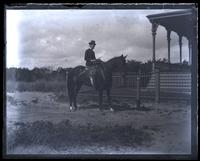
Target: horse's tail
pixel 70 84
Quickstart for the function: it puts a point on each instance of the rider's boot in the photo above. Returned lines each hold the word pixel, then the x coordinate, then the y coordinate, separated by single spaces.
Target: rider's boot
pixel 92 81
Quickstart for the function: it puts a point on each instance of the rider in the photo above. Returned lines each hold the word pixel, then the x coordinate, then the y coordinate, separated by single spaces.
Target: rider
pixel 89 54
pixel 91 60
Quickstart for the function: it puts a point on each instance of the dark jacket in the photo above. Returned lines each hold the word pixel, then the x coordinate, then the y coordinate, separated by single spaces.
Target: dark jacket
pixel 89 55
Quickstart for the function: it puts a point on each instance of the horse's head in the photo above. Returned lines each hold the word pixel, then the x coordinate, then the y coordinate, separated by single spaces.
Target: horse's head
pixel 117 63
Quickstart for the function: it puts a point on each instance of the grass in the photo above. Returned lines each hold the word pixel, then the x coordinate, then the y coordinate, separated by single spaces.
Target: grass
pixel 63 134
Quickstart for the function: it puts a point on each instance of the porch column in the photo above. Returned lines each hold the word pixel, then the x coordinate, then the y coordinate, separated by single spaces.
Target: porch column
pixel 154 29
pixel 168 42
pixel 190 52
pixel 180 45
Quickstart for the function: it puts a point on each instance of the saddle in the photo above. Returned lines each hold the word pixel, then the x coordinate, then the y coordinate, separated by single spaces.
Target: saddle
pixel 92 70
pixel 97 67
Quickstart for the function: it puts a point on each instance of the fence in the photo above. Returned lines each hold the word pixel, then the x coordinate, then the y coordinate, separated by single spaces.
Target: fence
pixel 156 82
pixel 179 81
pixel 130 80
pixel 170 82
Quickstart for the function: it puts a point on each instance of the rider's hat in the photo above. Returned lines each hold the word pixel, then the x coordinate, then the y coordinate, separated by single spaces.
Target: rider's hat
pixel 92 42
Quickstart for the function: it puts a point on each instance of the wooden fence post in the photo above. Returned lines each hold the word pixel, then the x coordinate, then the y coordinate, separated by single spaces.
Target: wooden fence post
pixel 157 85
pixel 67 75
pixel 67 72
pixel 123 78
pixel 138 90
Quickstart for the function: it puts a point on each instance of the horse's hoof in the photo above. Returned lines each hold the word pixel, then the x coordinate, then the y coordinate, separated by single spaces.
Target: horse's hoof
pixel 71 108
pixel 111 109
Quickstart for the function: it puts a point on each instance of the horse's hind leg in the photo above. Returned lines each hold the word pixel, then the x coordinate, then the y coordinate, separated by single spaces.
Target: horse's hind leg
pixel 70 103
pixel 71 100
pixel 70 89
pixel 77 88
pixel 70 96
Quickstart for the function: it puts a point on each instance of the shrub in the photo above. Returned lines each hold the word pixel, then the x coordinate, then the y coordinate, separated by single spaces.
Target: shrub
pixel 42 86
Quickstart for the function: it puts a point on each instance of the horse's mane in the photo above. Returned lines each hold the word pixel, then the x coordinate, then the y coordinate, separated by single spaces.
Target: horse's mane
pixel 112 59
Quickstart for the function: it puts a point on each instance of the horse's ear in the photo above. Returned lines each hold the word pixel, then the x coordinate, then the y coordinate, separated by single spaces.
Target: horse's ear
pixel 125 56
pixel 122 56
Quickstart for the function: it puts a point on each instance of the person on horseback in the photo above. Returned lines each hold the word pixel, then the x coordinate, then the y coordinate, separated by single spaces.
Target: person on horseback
pixel 92 62
pixel 90 57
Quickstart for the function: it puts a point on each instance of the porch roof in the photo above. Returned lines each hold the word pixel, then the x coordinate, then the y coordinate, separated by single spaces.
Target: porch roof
pixel 177 21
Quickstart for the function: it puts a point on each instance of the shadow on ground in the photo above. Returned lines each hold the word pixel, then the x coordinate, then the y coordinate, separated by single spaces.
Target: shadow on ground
pixel 117 107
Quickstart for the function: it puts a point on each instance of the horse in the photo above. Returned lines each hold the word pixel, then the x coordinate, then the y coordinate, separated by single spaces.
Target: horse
pixel 79 76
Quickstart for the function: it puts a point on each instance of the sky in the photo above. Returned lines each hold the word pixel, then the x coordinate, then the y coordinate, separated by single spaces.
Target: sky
pixel 59 38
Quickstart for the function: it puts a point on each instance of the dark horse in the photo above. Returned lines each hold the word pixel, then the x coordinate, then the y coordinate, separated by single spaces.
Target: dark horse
pixel 79 76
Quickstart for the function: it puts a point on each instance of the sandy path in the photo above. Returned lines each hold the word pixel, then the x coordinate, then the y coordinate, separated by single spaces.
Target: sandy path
pixel 168 123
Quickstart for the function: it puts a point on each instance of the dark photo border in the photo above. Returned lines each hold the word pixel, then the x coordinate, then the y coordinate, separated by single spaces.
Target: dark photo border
pixel 92 6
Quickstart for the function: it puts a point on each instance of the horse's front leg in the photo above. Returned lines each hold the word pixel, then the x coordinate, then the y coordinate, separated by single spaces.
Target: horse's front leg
pixel 71 97
pixel 109 100
pixel 100 99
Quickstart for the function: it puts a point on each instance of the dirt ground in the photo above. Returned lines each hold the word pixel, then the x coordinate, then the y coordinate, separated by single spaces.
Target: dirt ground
pixel 163 128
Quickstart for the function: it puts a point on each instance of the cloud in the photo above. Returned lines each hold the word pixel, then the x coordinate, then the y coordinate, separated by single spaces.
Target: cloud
pixel 60 37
